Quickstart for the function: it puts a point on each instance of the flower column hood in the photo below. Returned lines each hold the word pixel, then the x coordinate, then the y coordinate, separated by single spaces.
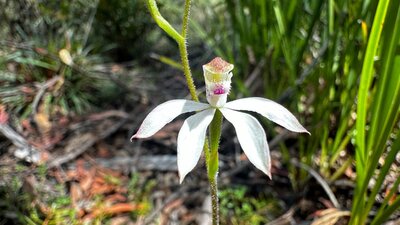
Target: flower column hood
pixel 217 76
pixel 191 137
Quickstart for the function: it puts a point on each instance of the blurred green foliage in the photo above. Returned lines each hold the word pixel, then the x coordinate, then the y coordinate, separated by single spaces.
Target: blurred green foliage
pixel 239 208
pixel 34 33
pixel 123 23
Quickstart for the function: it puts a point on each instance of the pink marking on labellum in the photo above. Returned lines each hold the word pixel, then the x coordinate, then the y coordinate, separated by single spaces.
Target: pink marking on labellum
pixel 219 91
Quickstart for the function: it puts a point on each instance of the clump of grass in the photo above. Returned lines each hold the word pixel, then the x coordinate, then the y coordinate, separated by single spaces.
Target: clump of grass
pixel 320 58
pixel 34 76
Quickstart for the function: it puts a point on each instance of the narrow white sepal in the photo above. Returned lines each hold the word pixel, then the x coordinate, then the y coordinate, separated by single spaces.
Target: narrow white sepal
pixel 191 141
pixel 165 113
pixel 252 138
pixel 270 109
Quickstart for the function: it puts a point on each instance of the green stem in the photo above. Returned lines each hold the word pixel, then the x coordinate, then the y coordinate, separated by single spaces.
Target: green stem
pixel 212 163
pixel 162 23
pixel 215 135
pixel 186 70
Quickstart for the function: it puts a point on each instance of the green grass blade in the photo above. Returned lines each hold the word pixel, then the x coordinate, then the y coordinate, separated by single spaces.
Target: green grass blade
pixel 366 79
pixel 358 213
pixel 382 104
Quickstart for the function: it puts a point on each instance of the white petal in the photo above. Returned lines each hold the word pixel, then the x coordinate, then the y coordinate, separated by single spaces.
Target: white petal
pixel 191 141
pixel 252 138
pixel 164 114
pixel 270 109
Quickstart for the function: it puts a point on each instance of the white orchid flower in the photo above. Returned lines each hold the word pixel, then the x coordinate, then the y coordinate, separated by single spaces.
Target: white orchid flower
pixel 191 137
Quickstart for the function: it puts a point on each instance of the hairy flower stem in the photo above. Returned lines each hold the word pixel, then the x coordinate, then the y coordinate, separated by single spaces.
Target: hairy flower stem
pixel 184 53
pixel 214 201
pixel 211 152
pixel 186 70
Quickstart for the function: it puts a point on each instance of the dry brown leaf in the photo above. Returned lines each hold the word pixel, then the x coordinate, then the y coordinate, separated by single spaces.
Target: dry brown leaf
pixel 43 122
pixel 329 216
pixel 76 194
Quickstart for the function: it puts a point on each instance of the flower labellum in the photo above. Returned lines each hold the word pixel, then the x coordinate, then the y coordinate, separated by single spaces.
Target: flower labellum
pixel 191 137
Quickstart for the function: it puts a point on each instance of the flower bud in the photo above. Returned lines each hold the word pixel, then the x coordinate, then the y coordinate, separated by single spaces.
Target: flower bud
pixel 217 75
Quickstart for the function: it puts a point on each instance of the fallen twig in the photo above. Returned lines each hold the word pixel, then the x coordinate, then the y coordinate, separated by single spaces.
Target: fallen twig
pixel 151 162
pixel 42 90
pixel 178 194
pixel 320 180
pixel 79 143
pixel 24 150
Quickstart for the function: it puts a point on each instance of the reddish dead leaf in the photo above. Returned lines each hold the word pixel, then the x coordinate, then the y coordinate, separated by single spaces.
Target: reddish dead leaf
pixel 41 51
pixel 87 181
pixel 187 218
pixel 350 173
pixel 164 218
pixel 106 114
pixel 48 141
pixel 76 194
pixel 71 175
pixel 116 209
pixel 103 150
pixel 115 198
pixel 121 189
pixel 44 208
pixel 170 130
pixel 80 168
pixel 26 125
pixel 108 172
pixel 80 212
pixel 327 203
pixel 394 196
pixel 59 177
pixel 27 90
pixel 243 157
pixel 120 220
pixel 172 205
pixel 329 216
pixel 116 68
pixel 44 156
pixel 3 115
pixel 99 180
pixel 63 121
pixel 101 189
